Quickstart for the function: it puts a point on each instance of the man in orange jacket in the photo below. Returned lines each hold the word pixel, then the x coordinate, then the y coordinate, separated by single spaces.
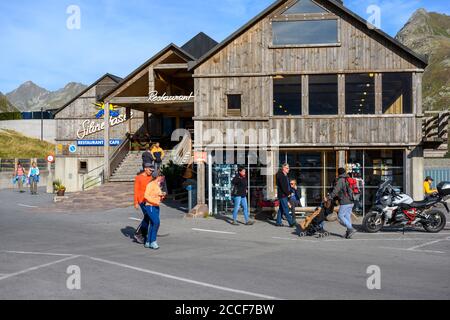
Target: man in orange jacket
pixel 140 184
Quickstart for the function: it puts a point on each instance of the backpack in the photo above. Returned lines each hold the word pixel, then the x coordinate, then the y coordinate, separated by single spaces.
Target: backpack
pixel 353 184
pixel 348 191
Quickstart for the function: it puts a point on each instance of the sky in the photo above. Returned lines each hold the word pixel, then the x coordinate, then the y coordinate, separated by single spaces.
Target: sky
pixel 44 40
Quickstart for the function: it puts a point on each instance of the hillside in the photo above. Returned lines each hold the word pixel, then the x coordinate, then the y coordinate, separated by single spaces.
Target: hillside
pixel 31 97
pixel 5 105
pixel 15 145
pixel 428 33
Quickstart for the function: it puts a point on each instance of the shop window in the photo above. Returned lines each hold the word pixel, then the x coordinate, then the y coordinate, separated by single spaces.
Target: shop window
pixel 305 6
pixel 360 93
pixel 82 167
pixel 234 104
pixel 308 32
pixel 314 172
pixel 287 96
pixel 323 95
pixel 397 93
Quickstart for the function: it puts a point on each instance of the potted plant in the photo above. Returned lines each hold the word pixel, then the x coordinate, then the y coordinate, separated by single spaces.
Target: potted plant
pixel 59 188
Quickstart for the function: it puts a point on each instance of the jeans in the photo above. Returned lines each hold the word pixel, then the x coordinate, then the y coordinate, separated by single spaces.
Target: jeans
pixel 345 216
pixel 237 204
pixel 145 221
pixel 153 227
pixel 284 210
pixel 33 184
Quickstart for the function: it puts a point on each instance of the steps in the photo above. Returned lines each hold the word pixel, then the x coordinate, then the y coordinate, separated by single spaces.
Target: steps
pixel 129 168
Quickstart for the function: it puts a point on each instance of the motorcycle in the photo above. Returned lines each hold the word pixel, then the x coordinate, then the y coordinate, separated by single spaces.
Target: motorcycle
pixel 397 209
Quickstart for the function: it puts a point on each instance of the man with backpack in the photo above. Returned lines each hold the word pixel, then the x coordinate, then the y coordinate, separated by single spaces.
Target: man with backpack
pixel 343 192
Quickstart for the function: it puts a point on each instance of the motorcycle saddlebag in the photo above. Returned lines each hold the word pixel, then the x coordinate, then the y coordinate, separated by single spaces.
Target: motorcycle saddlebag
pixel 444 188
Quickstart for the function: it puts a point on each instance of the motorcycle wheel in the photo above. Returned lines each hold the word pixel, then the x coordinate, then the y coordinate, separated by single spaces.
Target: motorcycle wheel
pixel 371 224
pixel 438 221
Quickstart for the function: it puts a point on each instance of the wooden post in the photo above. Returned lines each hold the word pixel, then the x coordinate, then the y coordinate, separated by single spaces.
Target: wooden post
pixel 151 79
pixel 305 95
pixel 146 128
pixel 407 171
pixel 106 144
pixel 201 191
pixel 378 93
pixel 341 94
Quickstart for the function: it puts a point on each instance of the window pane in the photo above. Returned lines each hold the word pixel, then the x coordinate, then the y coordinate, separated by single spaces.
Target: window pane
pixel 360 93
pixel 305 6
pixel 323 95
pixel 234 102
pixel 304 32
pixel 287 96
pixel 397 93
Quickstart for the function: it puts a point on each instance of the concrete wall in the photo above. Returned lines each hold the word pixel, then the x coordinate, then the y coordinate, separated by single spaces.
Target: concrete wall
pixel 32 128
pixel 67 170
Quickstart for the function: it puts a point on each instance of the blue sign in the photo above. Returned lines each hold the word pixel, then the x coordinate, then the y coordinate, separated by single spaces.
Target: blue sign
pixel 72 148
pixel 98 143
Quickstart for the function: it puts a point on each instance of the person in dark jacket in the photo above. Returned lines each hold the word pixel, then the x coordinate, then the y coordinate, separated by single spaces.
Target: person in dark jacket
pixel 147 158
pixel 239 194
pixel 284 192
pixel 344 194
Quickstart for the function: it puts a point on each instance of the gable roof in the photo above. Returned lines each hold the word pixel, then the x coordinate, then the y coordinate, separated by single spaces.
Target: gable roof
pixel 337 4
pixel 116 79
pixel 199 45
pixel 171 46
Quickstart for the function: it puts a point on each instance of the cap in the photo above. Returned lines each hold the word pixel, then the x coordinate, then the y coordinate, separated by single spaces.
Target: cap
pixel 150 166
pixel 430 178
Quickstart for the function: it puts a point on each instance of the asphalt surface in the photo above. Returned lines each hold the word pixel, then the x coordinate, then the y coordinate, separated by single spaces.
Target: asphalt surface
pixel 206 258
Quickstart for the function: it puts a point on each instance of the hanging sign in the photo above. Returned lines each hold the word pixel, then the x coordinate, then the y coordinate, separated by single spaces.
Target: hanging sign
pixel 153 97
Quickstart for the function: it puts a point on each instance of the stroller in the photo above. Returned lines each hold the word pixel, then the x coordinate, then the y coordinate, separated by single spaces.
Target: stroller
pixel 313 224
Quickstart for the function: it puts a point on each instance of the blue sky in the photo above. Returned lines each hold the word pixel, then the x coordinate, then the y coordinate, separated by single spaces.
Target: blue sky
pixel 116 36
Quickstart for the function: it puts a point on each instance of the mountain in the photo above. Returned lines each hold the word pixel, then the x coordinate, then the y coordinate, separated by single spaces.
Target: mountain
pixel 428 33
pixel 31 97
pixel 5 105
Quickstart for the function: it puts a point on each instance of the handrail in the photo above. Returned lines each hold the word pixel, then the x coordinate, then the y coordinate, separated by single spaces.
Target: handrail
pixel 182 149
pixel 98 179
pixel 119 155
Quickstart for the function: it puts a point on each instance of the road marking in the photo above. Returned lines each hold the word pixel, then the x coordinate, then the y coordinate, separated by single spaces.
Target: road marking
pixel 426 244
pixel 26 206
pixel 37 267
pixel 135 219
pixel 213 231
pixel 401 249
pixel 203 284
pixel 40 253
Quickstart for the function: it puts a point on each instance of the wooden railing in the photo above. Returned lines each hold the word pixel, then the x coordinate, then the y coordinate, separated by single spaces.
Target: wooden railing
pixel 119 155
pixel 435 126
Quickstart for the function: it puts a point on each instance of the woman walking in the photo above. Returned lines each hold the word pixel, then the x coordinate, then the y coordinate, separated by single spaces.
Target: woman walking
pixel 153 197
pixel 19 176
pixel 239 194
pixel 33 178
pixel 158 155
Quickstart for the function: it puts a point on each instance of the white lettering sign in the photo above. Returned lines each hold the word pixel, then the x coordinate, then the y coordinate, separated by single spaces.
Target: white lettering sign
pixel 153 97
pixel 89 127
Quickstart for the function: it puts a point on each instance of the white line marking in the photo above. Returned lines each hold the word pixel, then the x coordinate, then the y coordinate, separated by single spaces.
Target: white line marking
pixel 426 244
pixel 135 219
pixel 204 284
pixel 39 253
pixel 37 267
pixel 213 231
pixel 26 206
pixel 426 251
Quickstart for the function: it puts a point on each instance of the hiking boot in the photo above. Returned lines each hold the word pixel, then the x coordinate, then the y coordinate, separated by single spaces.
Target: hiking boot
pixel 139 239
pixel 235 223
pixel 249 223
pixel 350 234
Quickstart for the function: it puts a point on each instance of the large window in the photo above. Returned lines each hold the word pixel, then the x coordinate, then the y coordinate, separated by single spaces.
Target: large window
pixel 308 32
pixel 397 93
pixel 287 96
pixel 305 6
pixel 323 95
pixel 313 171
pixel 360 93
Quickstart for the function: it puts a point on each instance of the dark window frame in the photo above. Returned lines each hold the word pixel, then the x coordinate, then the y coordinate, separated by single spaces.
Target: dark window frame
pixel 237 109
pixel 82 170
pixel 311 100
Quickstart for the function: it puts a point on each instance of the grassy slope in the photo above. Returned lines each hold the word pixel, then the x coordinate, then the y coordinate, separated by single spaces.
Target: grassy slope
pixel 16 145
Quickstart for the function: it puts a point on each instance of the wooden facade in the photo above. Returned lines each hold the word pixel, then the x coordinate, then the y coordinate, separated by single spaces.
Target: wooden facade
pixel 247 62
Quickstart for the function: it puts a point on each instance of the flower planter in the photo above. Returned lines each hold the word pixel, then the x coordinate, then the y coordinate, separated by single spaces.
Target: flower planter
pixel 61 193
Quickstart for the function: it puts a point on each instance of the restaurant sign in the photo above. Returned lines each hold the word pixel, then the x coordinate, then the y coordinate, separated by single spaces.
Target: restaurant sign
pixel 98 143
pixel 90 127
pixel 153 97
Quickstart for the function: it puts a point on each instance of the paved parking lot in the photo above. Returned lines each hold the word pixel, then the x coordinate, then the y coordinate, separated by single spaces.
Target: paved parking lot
pixel 206 258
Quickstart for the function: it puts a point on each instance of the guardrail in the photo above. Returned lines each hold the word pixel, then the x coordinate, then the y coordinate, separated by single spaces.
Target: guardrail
pixel 9 165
